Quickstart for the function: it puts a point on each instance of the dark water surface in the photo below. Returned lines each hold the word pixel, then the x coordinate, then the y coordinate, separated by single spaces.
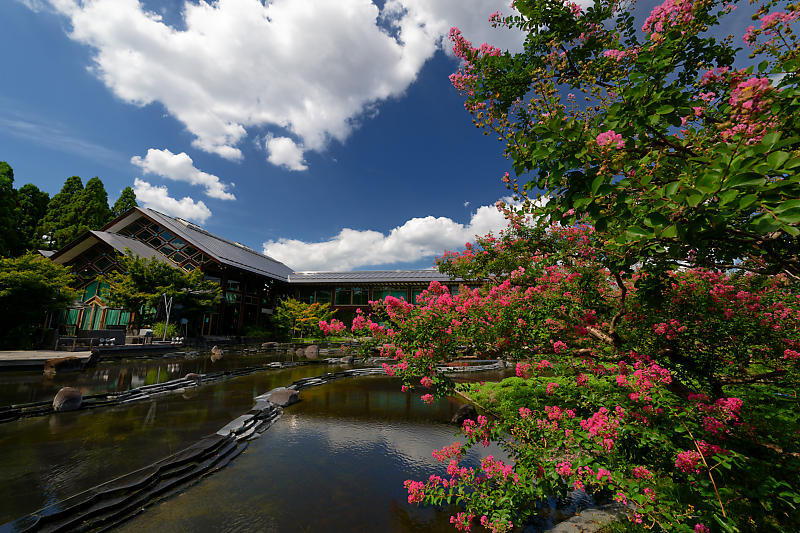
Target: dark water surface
pixel 336 461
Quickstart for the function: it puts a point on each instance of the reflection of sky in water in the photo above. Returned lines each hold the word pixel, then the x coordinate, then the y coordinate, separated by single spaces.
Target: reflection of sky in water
pixel 316 470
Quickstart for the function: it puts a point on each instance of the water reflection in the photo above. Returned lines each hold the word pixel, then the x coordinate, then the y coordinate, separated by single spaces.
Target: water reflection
pixel 47 459
pixel 118 375
pixel 335 462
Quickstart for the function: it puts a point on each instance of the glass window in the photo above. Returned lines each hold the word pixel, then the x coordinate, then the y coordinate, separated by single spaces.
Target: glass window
pixel 166 235
pixel 382 292
pixel 178 243
pixel 360 296
pixel 124 318
pixel 323 296
pixel 233 285
pixel 189 251
pixel 343 296
pixel 232 297
pixel 178 257
pixel 307 295
pixel 90 290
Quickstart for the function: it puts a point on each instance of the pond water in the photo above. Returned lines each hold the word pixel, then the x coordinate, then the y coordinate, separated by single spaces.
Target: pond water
pixel 335 461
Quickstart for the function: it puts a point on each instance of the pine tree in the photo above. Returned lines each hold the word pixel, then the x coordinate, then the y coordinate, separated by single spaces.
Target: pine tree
pixel 126 200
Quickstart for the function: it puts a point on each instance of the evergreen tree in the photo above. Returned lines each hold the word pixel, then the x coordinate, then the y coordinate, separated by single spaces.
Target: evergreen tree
pixel 126 200
pixel 94 212
pixel 31 209
pixel 9 237
pixel 63 221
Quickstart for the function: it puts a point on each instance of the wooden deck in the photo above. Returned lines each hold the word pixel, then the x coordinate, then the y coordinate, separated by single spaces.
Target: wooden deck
pixel 21 359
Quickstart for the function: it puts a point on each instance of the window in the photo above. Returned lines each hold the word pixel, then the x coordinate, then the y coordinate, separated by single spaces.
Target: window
pixel 323 296
pixel 380 293
pixel 414 294
pixel 233 285
pixel 312 295
pixel 343 296
pixel 360 296
pixel 232 297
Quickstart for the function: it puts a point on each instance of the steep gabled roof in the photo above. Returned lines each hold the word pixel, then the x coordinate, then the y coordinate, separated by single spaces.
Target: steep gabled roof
pixel 222 250
pixel 116 241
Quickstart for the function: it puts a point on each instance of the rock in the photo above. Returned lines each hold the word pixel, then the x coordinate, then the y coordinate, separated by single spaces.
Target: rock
pixel 269 345
pixel 347 359
pixel 299 352
pixel 283 396
pixel 312 352
pixel 67 399
pixel 465 412
pixel 216 353
pixel 193 376
pixel 62 364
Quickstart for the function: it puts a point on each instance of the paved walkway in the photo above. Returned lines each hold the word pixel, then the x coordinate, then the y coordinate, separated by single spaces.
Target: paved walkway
pixel 35 358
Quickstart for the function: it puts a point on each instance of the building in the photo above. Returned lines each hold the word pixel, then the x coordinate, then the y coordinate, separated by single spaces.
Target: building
pixel 252 283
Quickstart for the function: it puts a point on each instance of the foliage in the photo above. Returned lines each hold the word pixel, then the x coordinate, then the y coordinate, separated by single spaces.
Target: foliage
pixel 31 209
pixel 126 201
pixel 30 287
pixel 672 151
pixel 74 211
pixel 299 319
pixel 8 233
pixel 650 297
pixel 158 330
pixel 140 284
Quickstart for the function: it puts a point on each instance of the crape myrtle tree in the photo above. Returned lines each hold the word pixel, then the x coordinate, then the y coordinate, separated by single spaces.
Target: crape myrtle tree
pixel 140 284
pixel 650 297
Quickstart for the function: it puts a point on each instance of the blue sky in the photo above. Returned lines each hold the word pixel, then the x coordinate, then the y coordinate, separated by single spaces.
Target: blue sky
pixel 324 132
pixel 330 132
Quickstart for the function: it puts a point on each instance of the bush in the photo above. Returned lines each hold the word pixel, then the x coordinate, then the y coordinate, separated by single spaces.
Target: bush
pixel 158 330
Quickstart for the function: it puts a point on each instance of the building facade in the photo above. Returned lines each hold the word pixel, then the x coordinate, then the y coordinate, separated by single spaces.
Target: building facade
pixel 252 283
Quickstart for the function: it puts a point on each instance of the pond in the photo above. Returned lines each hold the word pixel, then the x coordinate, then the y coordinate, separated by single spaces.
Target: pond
pixel 334 461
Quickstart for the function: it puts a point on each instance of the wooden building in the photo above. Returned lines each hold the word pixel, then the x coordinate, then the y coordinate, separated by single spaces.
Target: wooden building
pixel 252 283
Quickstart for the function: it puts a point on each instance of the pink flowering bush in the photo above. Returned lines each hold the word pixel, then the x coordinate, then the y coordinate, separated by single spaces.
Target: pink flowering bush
pixel 649 298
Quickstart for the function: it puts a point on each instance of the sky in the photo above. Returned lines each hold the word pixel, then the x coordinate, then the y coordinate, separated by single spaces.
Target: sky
pixel 325 133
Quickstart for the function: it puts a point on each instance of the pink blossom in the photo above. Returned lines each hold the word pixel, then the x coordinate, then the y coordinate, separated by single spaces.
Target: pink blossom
pixel 688 461
pixel 610 138
pixel 427 398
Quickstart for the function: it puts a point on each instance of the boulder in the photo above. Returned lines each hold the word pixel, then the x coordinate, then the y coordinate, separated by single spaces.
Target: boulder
pixel 312 352
pixel 269 345
pixel 67 399
pixel 299 352
pixel 283 396
pixel 195 377
pixel 216 353
pixel 465 412
pixel 347 359
pixel 62 364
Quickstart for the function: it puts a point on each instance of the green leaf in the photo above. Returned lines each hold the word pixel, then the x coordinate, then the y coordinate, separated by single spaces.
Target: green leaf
pixel 708 183
pixel 728 196
pixel 664 109
pixel 785 206
pixel 596 183
pixel 655 220
pixel 776 159
pixel 694 199
pixel 747 201
pixel 745 179
pixel 638 232
pixel 769 140
pixel 670 232
pixel 671 188
pixel 790 216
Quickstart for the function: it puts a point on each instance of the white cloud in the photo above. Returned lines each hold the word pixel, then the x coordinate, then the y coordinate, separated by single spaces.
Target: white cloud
pixel 414 240
pixel 180 167
pixel 283 152
pixel 158 198
pixel 311 68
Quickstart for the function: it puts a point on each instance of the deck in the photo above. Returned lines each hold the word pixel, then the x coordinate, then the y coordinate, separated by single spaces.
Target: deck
pixel 22 359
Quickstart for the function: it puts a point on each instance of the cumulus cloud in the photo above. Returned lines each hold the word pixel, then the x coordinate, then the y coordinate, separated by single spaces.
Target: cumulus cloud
pixel 283 152
pixel 180 167
pixel 310 68
pixel 414 240
pixel 158 198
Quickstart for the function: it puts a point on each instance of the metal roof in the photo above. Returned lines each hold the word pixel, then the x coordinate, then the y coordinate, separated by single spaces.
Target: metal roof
pixel 370 276
pixel 225 251
pixel 120 243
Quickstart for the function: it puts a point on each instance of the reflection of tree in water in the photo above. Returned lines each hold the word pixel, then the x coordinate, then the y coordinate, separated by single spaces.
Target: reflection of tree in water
pixel 422 520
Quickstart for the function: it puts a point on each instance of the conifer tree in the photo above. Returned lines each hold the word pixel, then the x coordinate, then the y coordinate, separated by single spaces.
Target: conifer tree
pixel 8 232
pixel 126 200
pixel 31 209
pixel 62 223
pixel 94 211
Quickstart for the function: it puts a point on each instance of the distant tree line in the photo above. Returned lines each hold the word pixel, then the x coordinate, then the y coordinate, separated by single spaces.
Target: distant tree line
pixel 30 219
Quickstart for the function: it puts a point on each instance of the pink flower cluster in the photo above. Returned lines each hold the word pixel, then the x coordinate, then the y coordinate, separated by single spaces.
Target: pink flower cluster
pixel 619 55
pixel 448 452
pixel 336 326
pixel 496 526
pixel 610 138
pixel 603 426
pixel 688 461
pixel 669 15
